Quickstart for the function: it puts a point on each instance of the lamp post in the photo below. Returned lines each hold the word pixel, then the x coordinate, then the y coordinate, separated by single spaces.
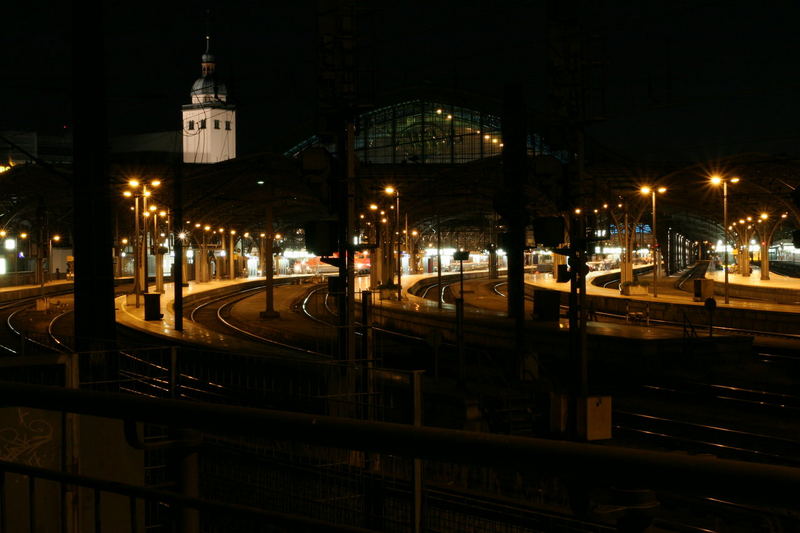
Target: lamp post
pixel 656 250
pixel 157 248
pixel 203 262
pixel 140 246
pixel 55 238
pixel 231 258
pixel 218 258
pixel 396 193
pixel 716 180
pixel 376 259
pixel 23 237
pixel 123 245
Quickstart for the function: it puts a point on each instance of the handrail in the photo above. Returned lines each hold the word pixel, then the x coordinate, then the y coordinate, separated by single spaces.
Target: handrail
pixel 691 326
pixel 594 465
pixel 274 517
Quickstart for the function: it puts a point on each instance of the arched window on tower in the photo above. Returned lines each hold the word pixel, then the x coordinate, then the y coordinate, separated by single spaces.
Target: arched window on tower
pixel 202 123
pixel 190 125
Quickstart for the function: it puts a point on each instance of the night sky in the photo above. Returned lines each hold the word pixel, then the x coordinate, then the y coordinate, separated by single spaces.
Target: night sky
pixel 683 80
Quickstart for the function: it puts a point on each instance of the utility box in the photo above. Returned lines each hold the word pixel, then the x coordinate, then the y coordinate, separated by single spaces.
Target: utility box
pixel 703 288
pixel 546 305
pixel 594 417
pixel 152 306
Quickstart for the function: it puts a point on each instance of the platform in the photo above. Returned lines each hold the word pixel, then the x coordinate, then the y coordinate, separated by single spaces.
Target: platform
pixel 670 304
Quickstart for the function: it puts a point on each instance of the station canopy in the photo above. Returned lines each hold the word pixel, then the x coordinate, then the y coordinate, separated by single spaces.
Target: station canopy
pixel 446 162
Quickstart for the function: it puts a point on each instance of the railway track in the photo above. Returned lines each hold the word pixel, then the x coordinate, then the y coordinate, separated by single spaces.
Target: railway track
pixel 33 331
pixel 693 437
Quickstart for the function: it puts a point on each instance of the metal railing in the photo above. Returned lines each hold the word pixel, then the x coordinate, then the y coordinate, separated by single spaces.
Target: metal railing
pixel 380 500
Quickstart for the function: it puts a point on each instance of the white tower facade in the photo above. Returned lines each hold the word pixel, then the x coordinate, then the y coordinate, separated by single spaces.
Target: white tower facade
pixel 209 122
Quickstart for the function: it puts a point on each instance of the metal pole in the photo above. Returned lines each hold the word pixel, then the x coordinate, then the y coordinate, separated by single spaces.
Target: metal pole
pixel 49 257
pixel 231 259
pixel 399 252
pixel 655 249
pixel 725 233
pixel 460 328
pixel 439 260
pixel 159 256
pixel 416 381
pixel 269 311
pixel 349 255
pixel 412 259
pixel 202 259
pixel 179 273
pixel 71 449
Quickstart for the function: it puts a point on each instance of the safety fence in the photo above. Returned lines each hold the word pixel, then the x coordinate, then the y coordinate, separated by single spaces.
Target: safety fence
pixel 273 470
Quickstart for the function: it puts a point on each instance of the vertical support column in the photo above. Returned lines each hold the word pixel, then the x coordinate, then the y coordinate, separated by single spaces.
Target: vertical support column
pixel 143 263
pixel 512 201
pixel 159 257
pixel 137 256
pixel 368 350
pixel 71 449
pixel 627 253
pixel 438 260
pixel 350 231
pixel 179 264
pixel 460 341
pixel 398 235
pixel 184 455
pixel 231 258
pixel 201 261
pixel 764 259
pixel 656 249
pixel 95 318
pixel 269 268
pixel 416 388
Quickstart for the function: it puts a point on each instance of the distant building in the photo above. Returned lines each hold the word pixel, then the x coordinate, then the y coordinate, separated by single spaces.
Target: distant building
pixel 209 122
pixel 160 142
pixel 19 147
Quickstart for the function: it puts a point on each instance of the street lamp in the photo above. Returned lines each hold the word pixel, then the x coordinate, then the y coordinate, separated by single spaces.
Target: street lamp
pixel 391 190
pixel 140 246
pixel 656 251
pixel 716 180
pixel 54 238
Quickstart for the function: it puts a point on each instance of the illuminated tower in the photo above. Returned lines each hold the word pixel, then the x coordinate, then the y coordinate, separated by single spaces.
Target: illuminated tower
pixel 209 122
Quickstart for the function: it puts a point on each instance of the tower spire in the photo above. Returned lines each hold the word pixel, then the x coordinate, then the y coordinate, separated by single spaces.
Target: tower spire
pixel 208 59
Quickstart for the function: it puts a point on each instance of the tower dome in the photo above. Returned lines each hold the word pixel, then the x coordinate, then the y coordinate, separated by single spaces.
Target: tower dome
pixel 206 88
